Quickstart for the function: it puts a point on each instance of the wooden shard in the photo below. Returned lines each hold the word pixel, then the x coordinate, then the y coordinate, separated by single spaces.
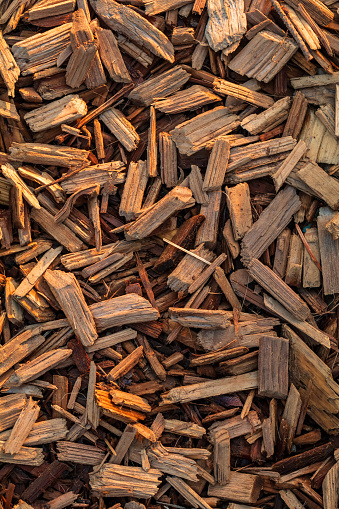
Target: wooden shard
pixel 177 199
pixel 211 388
pixel 267 44
pixel 22 428
pixel 116 480
pixel 188 270
pixel 273 367
pixel 9 69
pixel 328 252
pixel 159 87
pixel 12 175
pixel 187 492
pixel 134 189
pixel 270 224
pixel 222 456
pixel 226 25
pixel 122 310
pixel 110 55
pixel 37 367
pixel 39 153
pixel 41 50
pixel 125 21
pixel 217 165
pixel 203 130
pixel 295 261
pixel 208 231
pixel 239 207
pixel 326 187
pixel 67 292
pixel 168 160
pixel 122 129
pixel 242 93
pixel 190 99
pixel 242 488
pixel 79 453
pixel 268 119
pixel 30 456
pixel 65 110
pixel 60 232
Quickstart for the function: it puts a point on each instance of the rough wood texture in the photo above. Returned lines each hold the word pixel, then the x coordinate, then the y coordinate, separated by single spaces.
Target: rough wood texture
pixel 267 44
pixel 64 110
pixel 273 367
pixel 177 199
pixel 122 129
pixel 328 252
pixel 270 224
pixel 67 292
pixel 243 488
pixel 203 130
pixel 239 207
pixel 159 87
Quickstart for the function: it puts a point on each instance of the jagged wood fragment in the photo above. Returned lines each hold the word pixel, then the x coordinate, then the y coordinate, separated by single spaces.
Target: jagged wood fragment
pixel 226 24
pixel 267 44
pixel 62 111
pixel 311 273
pixel 203 130
pixel 60 232
pixel 159 87
pixel 126 364
pixel 44 432
pixel 273 367
pixel 177 199
pixel 217 164
pixel 40 153
pixel 12 175
pixel 37 367
pixel 270 224
pixel 211 388
pixel 9 69
pixel 289 164
pixel 22 428
pixel 133 191
pixel 84 63
pixel 208 231
pixel 239 207
pixel 122 129
pixel 295 261
pixel 189 269
pixel 195 184
pixel 328 252
pixel 30 456
pixel 126 21
pixel 190 99
pixel 168 160
pixel 105 173
pixel 326 187
pixel 278 289
pixel 8 110
pixel 18 348
pixel 242 93
pixel 222 456
pixel 79 453
pixel 120 481
pixel 326 115
pixel 187 492
pixel 67 292
pixel 31 279
pixel 110 55
pixel 41 50
pixel 242 488
pixel 268 119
